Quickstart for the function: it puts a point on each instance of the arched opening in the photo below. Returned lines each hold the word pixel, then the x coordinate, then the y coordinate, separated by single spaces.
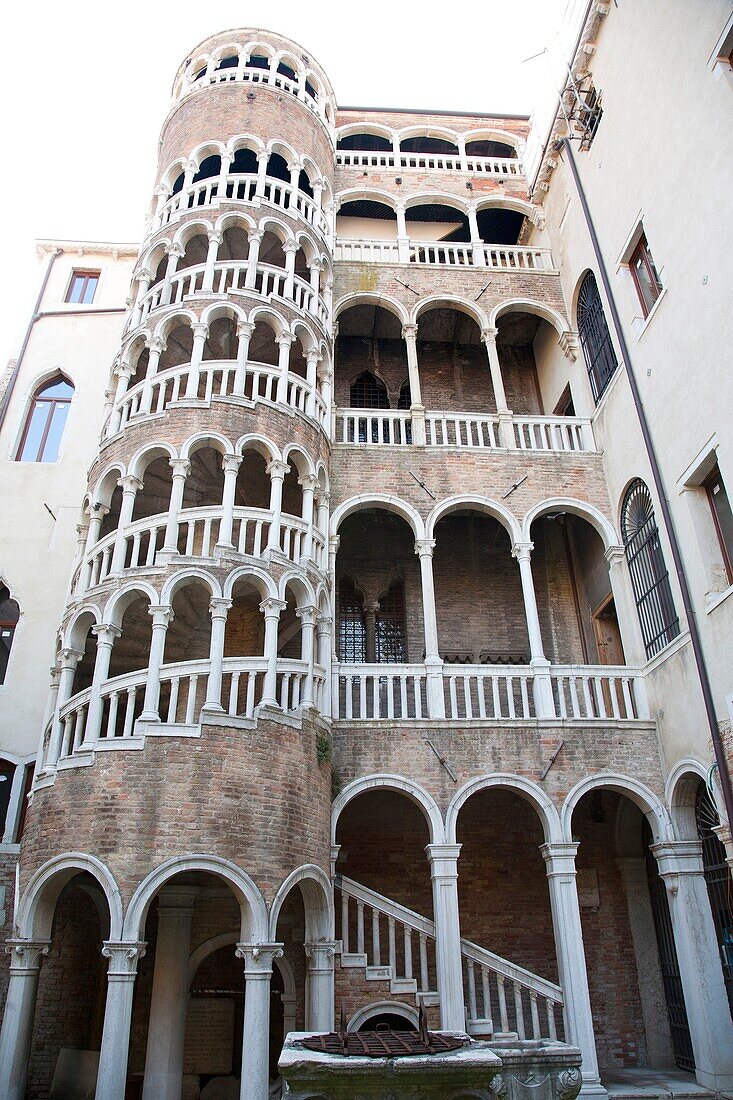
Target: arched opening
pixel 178 347
pixel 433 221
pixel 484 147
pixel 194 253
pixel 423 143
pixel 499 226
pixel 245 627
pixel 277 168
pixel 366 143
pixel 154 496
pixel 84 671
pixel 209 168
pixel 204 486
pixel 366 219
pixel 244 163
pixel 658 618
pixel 222 340
pixel 234 244
pixel 453 366
pixel 45 421
pixel 131 650
pixel 9 615
pixel 370 369
pixel 595 339
pixel 290 628
pixel 518 334
pixel 271 250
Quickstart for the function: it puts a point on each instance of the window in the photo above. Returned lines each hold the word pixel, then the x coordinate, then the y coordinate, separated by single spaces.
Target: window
pixel 595 339
pixel 649 576
pixel 390 626
pixel 351 624
pixel 82 288
pixel 9 615
pixel 646 280
pixel 722 517
pixel 367 392
pixel 717 880
pixel 45 422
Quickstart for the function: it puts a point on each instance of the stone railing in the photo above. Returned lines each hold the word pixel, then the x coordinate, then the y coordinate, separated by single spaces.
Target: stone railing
pixel 243 188
pixel 500 997
pixel 492 693
pixel 196 536
pixel 462 429
pixel 496 257
pixel 430 162
pixel 315 103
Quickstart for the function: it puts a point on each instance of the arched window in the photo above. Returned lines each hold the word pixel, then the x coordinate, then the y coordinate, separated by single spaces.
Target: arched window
pixel 351 624
pixel 717 879
pixel 44 425
pixel 390 626
pixel 367 392
pixel 649 576
pixel 595 338
pixel 9 615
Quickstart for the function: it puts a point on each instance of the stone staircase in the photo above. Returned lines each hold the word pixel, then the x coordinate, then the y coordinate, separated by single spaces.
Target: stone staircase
pixel 502 999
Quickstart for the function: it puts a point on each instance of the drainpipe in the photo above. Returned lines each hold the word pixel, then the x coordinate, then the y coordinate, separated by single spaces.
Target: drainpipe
pixel 697 649
pixel 34 317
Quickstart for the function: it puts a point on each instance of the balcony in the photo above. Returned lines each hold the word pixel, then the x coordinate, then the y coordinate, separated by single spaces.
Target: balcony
pixel 495 257
pixel 501 167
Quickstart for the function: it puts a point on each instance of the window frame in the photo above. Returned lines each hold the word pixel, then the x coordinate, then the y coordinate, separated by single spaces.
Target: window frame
pixel 51 404
pixel 715 475
pixel 657 613
pixel 86 275
pixel 643 252
pixel 591 321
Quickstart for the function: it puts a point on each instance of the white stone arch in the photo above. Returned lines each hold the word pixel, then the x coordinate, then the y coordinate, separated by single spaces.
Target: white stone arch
pixel 579 508
pixel 260 48
pixel 37 904
pixel 119 602
pixel 315 887
pixel 223 309
pixel 279 229
pixel 490 133
pixel 235 218
pixel 214 440
pixel 304 240
pixel 297 456
pixel 373 194
pixel 106 483
pixel 220 52
pixel 508 202
pixel 150 259
pixel 310 338
pixel 253 928
pixel 367 298
pixel 72 639
pixel 147 454
pixel 480 504
pixel 449 301
pixel 442 133
pixel 399 784
pixel 270 317
pixel 287 57
pixel 246 141
pixel 322 475
pixel 680 794
pixel 260 578
pixel 538 799
pixel 200 227
pixel 437 198
pixel 283 149
pixel 175 169
pixel 528 305
pixel 379 500
pixel 253 441
pixel 183 317
pixel 378 129
pixel 311 169
pixel 184 577
pixel 210 148
pixel 297 580
pixel 652 808
pixel 378 1008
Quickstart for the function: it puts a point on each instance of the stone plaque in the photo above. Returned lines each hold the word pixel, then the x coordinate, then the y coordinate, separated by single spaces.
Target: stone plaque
pixel 588 896
pixel 209 1035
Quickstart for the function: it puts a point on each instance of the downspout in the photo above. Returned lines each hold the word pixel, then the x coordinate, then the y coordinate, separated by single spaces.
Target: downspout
pixel 697 649
pixel 34 317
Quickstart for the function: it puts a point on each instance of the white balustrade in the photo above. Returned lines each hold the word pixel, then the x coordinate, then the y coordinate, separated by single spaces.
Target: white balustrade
pixel 373 426
pixel 451 429
pixel 253 75
pixel 437 252
pixel 495 257
pixel 380 252
pixel 380 691
pixel 594 692
pixel 421 162
pixel 243 188
pixel 496 692
pixel 391 942
pixel 462 429
pixel 553 433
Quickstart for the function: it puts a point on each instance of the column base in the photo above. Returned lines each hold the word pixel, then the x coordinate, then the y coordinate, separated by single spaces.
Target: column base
pixel 149 716
pixel 212 708
pixel 593 1088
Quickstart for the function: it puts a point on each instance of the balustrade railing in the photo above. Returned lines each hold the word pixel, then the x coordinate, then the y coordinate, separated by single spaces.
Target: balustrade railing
pixel 373 426
pixel 449 429
pixel 496 257
pixel 243 188
pixel 183 688
pixel 422 162
pixel 393 943
pixel 492 693
pixel 253 75
pixel 553 433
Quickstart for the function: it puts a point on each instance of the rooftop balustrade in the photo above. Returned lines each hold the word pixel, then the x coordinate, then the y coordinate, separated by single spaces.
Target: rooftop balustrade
pixel 503 167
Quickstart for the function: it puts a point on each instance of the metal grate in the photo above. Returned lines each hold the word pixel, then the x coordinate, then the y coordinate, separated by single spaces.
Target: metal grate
pixel 390 626
pixel 649 577
pixel 351 625
pixel 595 338
pixel 719 883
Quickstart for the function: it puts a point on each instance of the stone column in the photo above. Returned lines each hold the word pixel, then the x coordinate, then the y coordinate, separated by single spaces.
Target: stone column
pixel 319 1014
pixel 174 253
pixel 323 372
pixel 230 465
pixel 417 409
pixel 181 468
pixel 167 1021
pixel 253 255
pixel 200 332
pixel 290 248
pixel 262 160
pixel 155 346
pixel 644 938
pixel 307 616
pixel 311 377
pixel 277 471
pixel 244 335
pixel 144 280
pixel 258 959
pixel 124 373
pixel 106 635
pixel 130 486
pixel 323 643
pixel 20 1007
pixel 219 609
pixel 315 267
pixel 698 953
pixel 477 245
pixel 69 659
pixel 284 341
pixel 506 429
pixel 444 875
pixel 544 703
pixel 221 186
pixel 317 189
pixel 560 862
pixel 308 484
pixel 271 609
pixel 112 1072
pixel 433 661
pixel 403 240
pixel 211 253
pixel 162 617
pixel 97 512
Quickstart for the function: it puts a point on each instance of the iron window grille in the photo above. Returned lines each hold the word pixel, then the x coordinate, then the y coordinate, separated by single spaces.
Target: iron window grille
pixel 351 625
pixel 367 392
pixel 595 339
pixel 390 626
pixel 649 576
pixel 718 881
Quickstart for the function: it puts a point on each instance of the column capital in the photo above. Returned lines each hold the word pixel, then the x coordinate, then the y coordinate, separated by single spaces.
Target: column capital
pixel 560 857
pixel 231 463
pixel 98 511
pixel 200 330
pixel 277 469
pixel 309 481
pixel 218 607
pixel 161 614
pixel 316 264
pixel 334 541
pixel 321 954
pixel 123 958
pixel 569 343
pixel 214 236
pixel 129 484
pixel 181 467
pixel 245 328
pixel 155 343
pixel 106 633
pixel 443 859
pixel 123 370
pixel 307 614
pixel 678 857
pixel 255 234
pixel 25 955
pixel 271 607
pixel 489 334
pixel 323 624
pixel 615 555
pixel 290 246
pixel 424 547
pixel 335 330
pixel 258 958
pixel 522 551
pixel 70 657
pixel 409 332
pixel 176 250
pixel 146 274
pixel 284 338
pixel 313 355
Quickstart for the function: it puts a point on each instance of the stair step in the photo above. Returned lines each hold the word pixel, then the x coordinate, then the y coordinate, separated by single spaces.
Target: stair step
pixel 379 973
pixel 403 985
pixel 354 960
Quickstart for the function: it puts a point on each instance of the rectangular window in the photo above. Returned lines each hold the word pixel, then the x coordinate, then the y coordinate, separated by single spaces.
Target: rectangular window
pixel 646 280
pixel 722 517
pixel 82 288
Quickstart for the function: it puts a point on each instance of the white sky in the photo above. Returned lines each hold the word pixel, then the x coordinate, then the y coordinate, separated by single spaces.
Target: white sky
pixel 87 86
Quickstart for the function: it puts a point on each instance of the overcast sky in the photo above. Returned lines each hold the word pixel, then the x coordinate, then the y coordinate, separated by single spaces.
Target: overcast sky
pixel 87 86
